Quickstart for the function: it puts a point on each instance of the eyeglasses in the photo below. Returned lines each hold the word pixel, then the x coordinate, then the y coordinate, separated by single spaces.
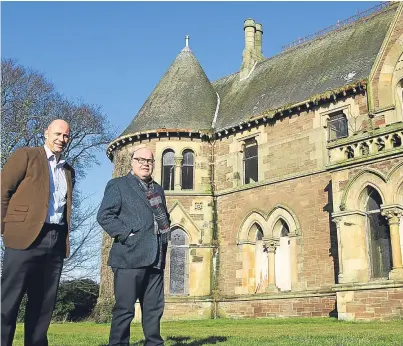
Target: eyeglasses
pixel 142 160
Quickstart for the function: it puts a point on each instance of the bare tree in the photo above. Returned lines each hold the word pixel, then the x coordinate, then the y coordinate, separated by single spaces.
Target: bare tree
pixel 29 103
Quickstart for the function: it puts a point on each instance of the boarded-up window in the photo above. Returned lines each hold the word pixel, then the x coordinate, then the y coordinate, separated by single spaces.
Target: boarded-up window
pixel 250 158
pixel 187 170
pixel 261 261
pixel 168 169
pixel 337 126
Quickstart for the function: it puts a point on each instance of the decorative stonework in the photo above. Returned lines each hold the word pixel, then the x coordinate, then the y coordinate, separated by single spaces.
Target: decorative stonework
pixel 393 214
pixel 367 145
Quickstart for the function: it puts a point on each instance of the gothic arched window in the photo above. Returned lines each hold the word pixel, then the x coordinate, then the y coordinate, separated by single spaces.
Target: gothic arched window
pixel 168 169
pixel 187 170
pixel 380 248
pixel 179 277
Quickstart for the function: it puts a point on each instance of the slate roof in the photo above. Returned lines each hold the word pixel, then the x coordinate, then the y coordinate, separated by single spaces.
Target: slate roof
pixel 184 98
pixel 339 58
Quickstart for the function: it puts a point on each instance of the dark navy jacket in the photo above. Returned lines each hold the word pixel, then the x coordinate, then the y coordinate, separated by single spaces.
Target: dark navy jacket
pixel 124 210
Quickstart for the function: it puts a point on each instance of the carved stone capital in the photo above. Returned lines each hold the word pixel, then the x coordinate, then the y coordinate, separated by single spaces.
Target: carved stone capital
pixel 178 160
pixel 393 215
pixel 271 246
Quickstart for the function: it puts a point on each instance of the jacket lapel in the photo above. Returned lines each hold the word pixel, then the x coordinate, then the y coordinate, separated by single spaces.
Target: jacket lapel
pixel 132 181
pixel 45 169
pixel 67 173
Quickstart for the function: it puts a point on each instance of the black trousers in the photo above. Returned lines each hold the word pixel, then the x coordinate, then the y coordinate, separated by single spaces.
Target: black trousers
pixel 147 285
pixel 35 271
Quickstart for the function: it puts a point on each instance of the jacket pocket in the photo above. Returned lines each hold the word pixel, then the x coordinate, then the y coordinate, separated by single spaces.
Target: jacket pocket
pixel 15 217
pixel 132 241
pixel 21 208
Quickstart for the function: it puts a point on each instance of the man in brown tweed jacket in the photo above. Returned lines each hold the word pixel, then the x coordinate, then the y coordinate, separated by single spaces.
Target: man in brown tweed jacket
pixel 36 197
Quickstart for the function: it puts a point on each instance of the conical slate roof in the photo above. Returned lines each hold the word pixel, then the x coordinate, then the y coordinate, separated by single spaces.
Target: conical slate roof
pixel 183 99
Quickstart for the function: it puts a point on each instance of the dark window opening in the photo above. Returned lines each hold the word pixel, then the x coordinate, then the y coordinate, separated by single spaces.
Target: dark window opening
pixel 396 141
pixel 259 233
pixel 250 158
pixel 187 170
pixel 379 237
pixel 349 153
pixel 168 170
pixel 337 126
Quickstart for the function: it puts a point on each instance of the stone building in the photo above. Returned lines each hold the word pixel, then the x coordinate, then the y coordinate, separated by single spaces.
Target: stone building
pixel 284 180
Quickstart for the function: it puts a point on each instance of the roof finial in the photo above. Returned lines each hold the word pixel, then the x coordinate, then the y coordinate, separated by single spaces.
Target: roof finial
pixel 187 37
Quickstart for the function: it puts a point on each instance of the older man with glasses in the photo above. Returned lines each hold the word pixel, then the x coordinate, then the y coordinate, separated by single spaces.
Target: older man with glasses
pixel 134 213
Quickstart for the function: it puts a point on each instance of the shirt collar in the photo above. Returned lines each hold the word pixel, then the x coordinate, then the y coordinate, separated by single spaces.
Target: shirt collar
pixel 50 156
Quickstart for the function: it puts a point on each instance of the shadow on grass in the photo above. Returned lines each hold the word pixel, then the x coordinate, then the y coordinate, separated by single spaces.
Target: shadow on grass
pixel 186 340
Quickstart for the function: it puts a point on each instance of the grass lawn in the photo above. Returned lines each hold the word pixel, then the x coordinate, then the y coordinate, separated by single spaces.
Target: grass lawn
pixel 245 332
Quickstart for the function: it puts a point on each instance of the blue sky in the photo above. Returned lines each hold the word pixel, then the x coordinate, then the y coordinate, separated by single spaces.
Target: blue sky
pixel 113 54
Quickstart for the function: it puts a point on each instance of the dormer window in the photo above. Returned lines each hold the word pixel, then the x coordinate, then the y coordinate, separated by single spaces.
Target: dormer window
pixel 337 126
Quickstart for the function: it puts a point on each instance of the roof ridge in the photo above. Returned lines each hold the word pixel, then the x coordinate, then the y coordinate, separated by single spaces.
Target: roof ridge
pixel 341 25
pixel 375 11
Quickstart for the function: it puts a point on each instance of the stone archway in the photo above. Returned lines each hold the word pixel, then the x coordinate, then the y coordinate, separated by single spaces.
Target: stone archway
pixel 272 235
pixel 356 249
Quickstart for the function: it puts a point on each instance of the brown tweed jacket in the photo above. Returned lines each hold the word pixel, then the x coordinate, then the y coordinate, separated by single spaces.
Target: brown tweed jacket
pixel 25 189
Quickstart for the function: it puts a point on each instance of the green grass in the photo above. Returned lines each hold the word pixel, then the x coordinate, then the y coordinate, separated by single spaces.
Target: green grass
pixel 246 332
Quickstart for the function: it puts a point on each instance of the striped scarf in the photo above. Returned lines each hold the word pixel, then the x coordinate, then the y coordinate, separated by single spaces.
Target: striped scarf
pixel 157 206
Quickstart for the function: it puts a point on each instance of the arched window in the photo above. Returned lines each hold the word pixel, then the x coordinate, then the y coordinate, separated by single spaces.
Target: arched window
pixel 283 258
pixel 168 169
pixel 187 169
pixel 380 248
pixel 179 276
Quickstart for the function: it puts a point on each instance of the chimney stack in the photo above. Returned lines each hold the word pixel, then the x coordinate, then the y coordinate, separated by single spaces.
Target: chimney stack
pixel 253 47
pixel 258 41
pixel 249 27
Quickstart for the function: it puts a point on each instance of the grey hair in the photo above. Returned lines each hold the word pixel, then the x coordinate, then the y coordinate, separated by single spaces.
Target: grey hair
pixel 135 151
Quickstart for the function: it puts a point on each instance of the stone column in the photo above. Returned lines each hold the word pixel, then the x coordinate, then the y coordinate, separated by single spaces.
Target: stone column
pixel 271 249
pixel 293 259
pixel 337 221
pixel 178 171
pixel 393 216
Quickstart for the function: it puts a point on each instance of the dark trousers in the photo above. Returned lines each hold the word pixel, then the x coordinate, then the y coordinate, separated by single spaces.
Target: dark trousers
pixel 35 271
pixel 147 285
